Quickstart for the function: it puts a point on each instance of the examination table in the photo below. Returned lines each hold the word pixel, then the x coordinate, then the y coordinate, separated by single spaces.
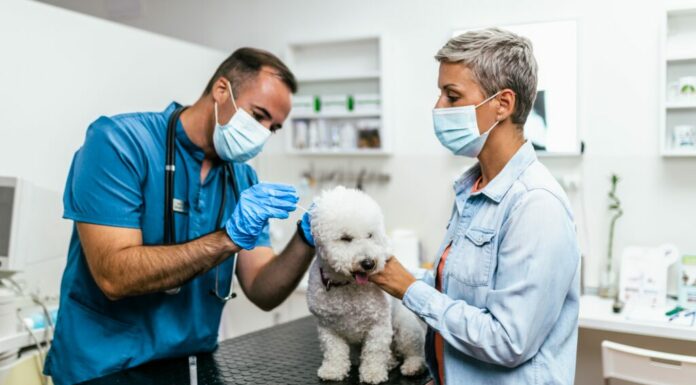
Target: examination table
pixel 285 354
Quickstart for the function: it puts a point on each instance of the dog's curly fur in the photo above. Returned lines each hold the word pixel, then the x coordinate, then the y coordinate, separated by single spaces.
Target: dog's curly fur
pixel 348 228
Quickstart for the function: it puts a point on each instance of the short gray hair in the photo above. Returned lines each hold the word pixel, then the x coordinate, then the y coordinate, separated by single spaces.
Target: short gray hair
pixel 499 59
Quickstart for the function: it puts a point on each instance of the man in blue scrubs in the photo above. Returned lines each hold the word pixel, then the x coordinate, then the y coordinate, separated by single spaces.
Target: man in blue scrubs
pixel 126 298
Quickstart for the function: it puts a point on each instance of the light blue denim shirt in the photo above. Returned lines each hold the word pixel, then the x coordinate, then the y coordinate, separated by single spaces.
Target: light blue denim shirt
pixel 508 312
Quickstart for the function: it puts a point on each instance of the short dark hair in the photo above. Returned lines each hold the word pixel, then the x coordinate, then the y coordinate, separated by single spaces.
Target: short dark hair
pixel 245 64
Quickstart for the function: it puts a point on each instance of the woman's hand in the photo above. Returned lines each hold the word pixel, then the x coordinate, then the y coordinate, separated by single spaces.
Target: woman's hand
pixel 394 279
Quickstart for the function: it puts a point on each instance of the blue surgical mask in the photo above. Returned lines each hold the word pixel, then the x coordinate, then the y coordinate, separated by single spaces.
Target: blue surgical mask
pixel 242 138
pixel 457 129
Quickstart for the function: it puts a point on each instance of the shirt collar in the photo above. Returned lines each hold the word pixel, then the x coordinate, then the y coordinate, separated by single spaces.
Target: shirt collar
pixel 499 186
pixel 181 136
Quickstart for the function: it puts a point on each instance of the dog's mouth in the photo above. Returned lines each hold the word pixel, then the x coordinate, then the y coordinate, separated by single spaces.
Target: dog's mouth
pixel 366 266
pixel 360 278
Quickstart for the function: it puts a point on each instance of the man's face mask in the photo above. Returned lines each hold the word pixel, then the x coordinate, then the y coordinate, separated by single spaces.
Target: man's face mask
pixel 242 138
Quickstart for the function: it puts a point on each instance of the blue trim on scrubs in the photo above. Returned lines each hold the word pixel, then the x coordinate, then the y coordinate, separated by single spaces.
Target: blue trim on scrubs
pixel 116 179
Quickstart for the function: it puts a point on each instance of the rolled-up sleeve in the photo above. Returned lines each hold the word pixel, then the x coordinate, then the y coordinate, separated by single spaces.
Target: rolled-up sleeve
pixel 537 262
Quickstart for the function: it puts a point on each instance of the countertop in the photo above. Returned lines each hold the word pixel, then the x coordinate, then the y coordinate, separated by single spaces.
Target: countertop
pixel 596 313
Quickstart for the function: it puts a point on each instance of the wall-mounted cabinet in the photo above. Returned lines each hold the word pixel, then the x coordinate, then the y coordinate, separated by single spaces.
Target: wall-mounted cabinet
pixel 338 106
pixel 678 122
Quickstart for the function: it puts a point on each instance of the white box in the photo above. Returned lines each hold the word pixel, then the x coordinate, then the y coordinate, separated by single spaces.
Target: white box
pixel 334 103
pixel 367 103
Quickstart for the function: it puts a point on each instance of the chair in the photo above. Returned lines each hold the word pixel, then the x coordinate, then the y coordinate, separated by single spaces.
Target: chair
pixel 648 367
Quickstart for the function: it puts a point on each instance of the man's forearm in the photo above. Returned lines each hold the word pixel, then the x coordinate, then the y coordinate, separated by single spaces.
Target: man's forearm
pixel 148 269
pixel 281 275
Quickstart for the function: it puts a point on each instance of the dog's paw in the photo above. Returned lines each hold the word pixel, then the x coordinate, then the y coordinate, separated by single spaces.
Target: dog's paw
pixel 373 374
pixel 333 372
pixel 392 363
pixel 412 366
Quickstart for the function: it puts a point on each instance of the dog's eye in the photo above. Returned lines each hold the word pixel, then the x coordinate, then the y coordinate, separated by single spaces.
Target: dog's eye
pixel 369 235
pixel 347 238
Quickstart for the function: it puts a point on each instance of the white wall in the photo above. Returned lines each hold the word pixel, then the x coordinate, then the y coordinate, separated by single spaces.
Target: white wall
pixel 617 102
pixel 60 70
pixel 618 113
pixel 618 109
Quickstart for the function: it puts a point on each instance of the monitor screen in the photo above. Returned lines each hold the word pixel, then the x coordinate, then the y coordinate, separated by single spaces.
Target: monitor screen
pixel 6 205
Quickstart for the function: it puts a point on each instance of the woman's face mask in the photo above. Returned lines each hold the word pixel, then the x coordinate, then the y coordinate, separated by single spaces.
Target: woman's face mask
pixel 457 128
pixel 242 138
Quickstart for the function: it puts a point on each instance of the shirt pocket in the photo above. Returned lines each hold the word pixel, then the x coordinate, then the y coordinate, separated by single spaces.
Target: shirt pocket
pixel 87 336
pixel 471 257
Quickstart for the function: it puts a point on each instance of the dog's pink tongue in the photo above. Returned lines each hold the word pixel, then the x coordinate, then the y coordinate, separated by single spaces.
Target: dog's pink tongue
pixel 361 278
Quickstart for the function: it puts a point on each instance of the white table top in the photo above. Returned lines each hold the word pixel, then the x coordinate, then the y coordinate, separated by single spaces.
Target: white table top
pixel 19 340
pixel 596 313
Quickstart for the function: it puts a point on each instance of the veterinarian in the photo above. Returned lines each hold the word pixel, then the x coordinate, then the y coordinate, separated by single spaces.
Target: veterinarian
pixel 502 301
pixel 136 289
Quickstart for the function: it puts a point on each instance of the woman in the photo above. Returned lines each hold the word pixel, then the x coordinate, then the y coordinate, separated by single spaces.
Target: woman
pixel 502 302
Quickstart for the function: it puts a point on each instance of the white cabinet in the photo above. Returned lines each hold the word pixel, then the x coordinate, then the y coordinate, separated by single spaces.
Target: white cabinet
pixel 338 109
pixel 678 121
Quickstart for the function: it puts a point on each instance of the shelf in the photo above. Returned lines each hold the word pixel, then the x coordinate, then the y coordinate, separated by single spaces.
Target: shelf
pixel 682 10
pixel 676 153
pixel 678 44
pixel 681 57
pixel 350 66
pixel 547 154
pixel 328 152
pixel 367 75
pixel 337 115
pixel 680 105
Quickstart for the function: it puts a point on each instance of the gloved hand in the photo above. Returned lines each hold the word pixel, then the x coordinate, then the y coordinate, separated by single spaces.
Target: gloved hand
pixel 306 227
pixel 256 206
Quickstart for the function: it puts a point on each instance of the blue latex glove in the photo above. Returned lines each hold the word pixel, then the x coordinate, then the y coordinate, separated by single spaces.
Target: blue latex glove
pixel 306 226
pixel 256 206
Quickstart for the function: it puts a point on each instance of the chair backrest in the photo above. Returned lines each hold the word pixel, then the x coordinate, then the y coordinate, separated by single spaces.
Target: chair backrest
pixel 645 366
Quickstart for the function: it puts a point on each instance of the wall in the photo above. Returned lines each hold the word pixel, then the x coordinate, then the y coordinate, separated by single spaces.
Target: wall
pixel 61 70
pixel 617 104
pixel 618 99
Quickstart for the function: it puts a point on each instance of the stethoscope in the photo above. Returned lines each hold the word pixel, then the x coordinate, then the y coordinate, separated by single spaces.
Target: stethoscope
pixel 169 231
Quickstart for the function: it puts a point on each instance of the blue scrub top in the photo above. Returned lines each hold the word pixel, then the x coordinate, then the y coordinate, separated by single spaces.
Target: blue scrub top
pixel 117 179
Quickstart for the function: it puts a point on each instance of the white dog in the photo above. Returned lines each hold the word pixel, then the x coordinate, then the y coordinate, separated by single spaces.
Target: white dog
pixel 348 228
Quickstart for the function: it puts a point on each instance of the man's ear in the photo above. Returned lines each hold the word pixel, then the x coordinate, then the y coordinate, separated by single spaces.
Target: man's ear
pixel 220 91
pixel 506 104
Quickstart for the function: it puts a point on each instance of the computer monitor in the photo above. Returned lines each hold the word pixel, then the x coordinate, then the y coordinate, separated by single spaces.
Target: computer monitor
pixel 33 236
pixel 8 222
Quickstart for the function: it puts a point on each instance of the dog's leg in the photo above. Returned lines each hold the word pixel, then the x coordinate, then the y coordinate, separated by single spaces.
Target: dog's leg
pixel 409 343
pixel 336 364
pixel 409 340
pixel 376 353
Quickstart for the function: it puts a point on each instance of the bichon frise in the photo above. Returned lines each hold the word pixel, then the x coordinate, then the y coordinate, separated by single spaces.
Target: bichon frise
pixel 348 228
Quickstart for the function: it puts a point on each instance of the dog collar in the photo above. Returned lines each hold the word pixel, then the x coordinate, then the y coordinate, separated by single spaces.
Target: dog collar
pixel 328 284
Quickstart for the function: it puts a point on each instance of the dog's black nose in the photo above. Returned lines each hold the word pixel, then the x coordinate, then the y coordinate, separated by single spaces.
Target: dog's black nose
pixel 367 264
